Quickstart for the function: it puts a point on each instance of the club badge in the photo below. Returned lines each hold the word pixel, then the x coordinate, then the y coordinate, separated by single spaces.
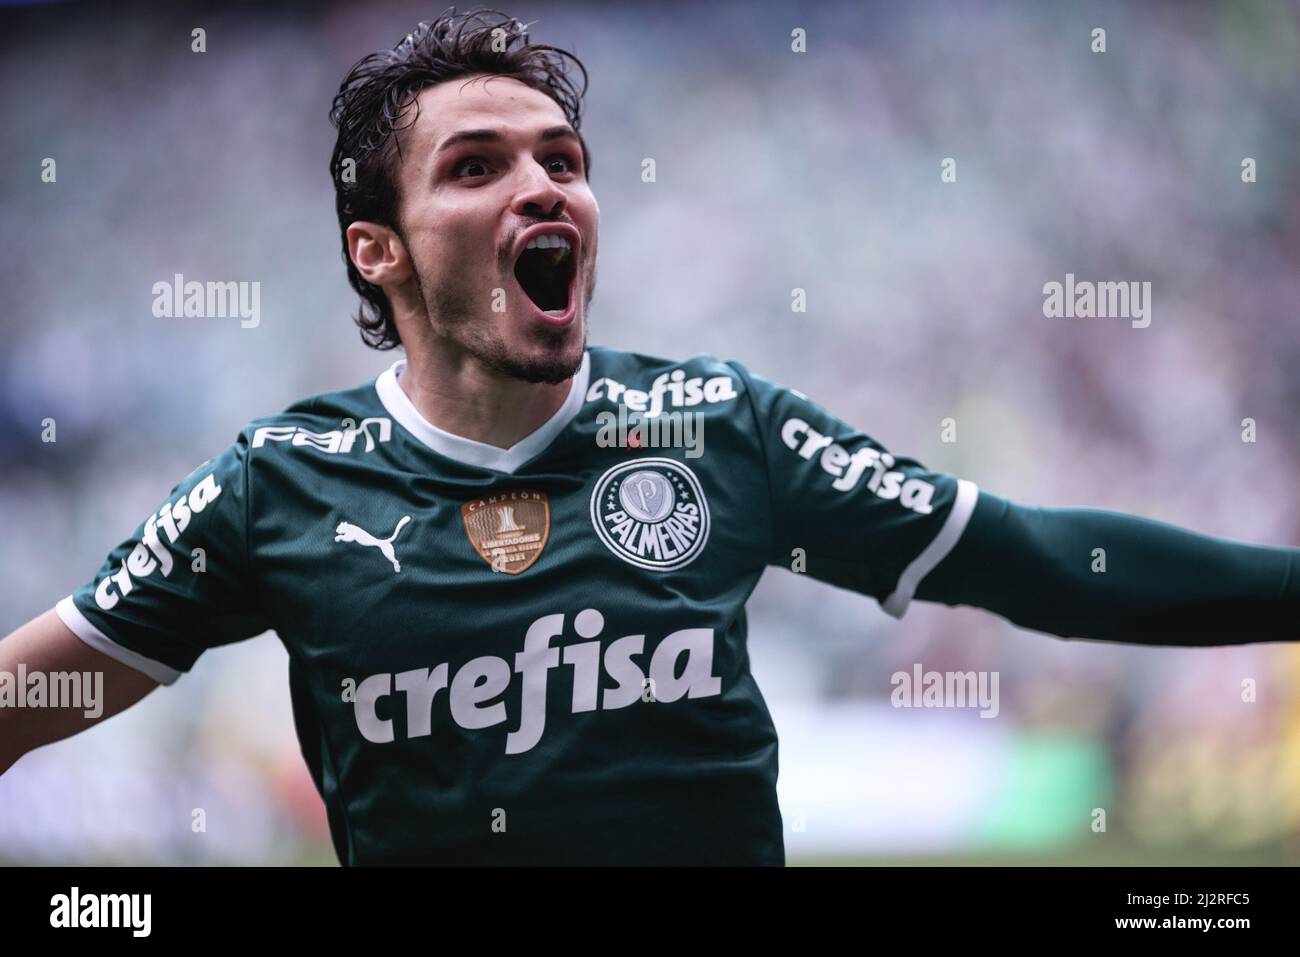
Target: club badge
pixel 508 529
pixel 651 513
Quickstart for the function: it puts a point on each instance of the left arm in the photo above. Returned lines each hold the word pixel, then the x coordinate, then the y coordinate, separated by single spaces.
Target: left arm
pixel 1161 585
pixel 884 525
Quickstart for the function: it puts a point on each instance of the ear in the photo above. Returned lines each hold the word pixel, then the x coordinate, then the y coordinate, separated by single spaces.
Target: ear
pixel 379 254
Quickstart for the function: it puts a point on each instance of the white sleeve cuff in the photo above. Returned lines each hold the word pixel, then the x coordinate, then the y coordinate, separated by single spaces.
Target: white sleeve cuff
pixel 962 507
pixel 80 626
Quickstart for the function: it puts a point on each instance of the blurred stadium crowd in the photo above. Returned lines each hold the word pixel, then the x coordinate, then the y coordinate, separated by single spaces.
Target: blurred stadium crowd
pixel 775 170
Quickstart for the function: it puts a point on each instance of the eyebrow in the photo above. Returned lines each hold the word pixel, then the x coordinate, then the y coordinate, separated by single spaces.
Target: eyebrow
pixel 492 136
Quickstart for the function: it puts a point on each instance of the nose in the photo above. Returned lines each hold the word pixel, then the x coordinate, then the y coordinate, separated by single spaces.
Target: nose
pixel 538 195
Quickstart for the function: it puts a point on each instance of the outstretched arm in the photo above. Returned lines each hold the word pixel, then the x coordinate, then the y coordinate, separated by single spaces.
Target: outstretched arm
pixel 1162 585
pixel 46 645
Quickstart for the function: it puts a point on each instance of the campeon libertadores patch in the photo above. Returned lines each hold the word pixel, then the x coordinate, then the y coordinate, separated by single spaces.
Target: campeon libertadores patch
pixel 508 529
pixel 651 513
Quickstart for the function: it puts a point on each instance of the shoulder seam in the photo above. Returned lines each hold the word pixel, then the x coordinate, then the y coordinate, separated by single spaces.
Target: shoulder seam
pixel 762 449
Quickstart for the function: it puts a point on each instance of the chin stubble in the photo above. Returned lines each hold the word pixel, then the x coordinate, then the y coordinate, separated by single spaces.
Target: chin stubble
pixel 452 313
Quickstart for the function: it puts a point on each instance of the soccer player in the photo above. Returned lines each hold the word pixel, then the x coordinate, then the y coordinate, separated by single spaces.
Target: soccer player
pixel 512 640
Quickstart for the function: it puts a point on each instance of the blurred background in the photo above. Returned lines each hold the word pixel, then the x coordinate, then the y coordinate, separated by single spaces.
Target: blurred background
pixel 776 170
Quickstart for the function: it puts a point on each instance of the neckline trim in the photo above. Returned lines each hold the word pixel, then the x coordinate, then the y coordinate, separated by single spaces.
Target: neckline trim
pixel 468 451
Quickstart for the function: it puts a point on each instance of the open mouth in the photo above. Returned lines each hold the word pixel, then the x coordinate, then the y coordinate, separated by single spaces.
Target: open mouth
pixel 545 271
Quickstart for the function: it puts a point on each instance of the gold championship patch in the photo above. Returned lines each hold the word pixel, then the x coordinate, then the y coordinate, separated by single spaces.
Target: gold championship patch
pixel 508 529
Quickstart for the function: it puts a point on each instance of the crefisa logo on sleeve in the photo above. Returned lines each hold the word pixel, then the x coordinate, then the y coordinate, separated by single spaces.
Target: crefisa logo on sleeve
pixel 151 553
pixel 651 513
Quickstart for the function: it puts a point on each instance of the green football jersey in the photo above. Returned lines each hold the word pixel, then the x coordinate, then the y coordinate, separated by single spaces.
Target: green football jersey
pixel 535 654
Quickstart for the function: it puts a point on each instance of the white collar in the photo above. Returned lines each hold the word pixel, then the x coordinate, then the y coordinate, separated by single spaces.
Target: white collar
pixel 467 451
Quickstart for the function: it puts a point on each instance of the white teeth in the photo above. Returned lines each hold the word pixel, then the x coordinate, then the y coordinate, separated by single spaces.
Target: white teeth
pixel 548 241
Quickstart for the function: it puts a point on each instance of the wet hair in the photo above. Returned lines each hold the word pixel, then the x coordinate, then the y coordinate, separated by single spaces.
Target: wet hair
pixel 374 104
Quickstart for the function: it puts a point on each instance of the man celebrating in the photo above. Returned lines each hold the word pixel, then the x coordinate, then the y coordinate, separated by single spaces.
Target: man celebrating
pixel 509 641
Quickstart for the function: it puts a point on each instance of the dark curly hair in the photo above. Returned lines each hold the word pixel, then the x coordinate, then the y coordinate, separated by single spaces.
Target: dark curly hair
pixel 374 102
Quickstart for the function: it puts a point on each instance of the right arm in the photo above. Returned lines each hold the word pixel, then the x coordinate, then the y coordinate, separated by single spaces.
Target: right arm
pixel 149 612
pixel 45 644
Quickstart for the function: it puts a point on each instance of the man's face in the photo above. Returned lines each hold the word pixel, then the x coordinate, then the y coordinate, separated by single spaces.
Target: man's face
pixel 491 167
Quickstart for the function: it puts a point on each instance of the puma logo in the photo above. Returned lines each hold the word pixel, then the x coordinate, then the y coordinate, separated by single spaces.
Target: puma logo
pixel 347 532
